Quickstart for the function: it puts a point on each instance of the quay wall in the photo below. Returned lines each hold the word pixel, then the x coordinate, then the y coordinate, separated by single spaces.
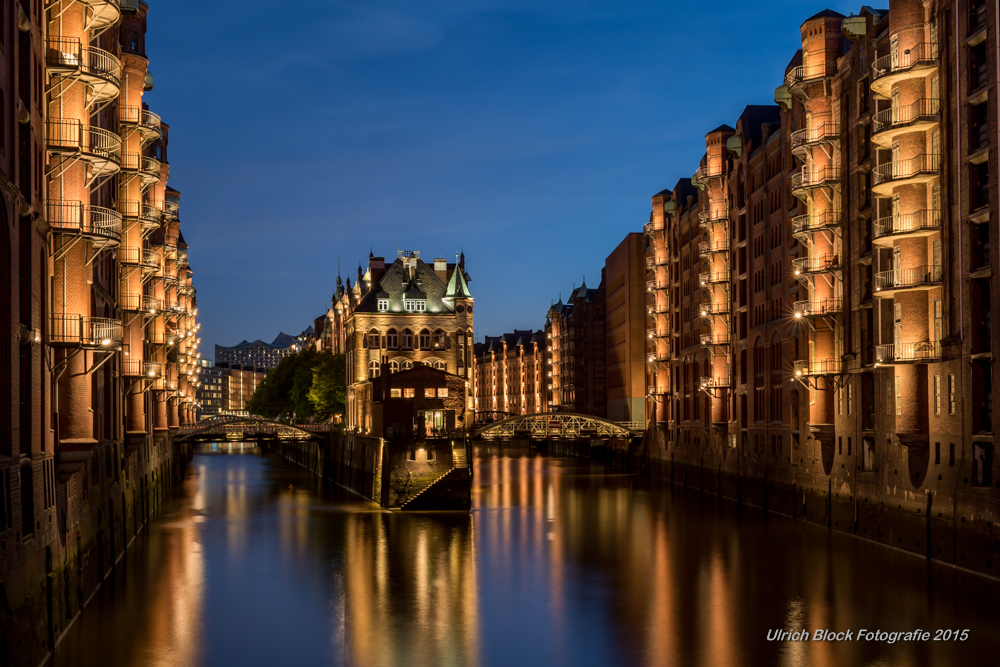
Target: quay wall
pixel 48 576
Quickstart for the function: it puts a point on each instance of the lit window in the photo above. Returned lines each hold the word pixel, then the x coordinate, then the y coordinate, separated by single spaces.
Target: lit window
pixel 373 369
pixel 429 392
pixel 440 365
pixel 383 305
pixel 395 392
pixel 443 392
pixel 407 365
pixel 408 392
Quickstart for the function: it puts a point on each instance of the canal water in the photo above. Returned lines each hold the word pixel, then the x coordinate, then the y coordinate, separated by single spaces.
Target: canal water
pixel 561 562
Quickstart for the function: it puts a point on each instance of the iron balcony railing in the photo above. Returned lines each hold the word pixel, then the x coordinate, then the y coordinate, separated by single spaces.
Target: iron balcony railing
pixel 711 339
pixel 104 13
pixel 713 277
pixel 100 69
pixel 816 264
pixel 148 215
pixel 714 308
pixel 819 133
pixel 135 302
pixel 804 74
pixel 917 222
pixel 901 116
pixel 898 170
pixel 908 352
pixel 72 136
pixel 924 53
pixel 712 247
pixel 806 368
pixel 74 217
pixel 708 382
pixel 85 331
pixel 818 307
pixel 813 222
pixel 815 177
pixel 703 175
pixel 144 120
pixel 916 276
pixel 147 167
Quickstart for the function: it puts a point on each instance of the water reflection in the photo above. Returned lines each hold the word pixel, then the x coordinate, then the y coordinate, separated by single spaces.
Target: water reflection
pixel 560 563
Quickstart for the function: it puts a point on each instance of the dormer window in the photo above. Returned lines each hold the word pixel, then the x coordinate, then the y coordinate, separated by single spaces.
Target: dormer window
pixel 416 305
pixel 383 305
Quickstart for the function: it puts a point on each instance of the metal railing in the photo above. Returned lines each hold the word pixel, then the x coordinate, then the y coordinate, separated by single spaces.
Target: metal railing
pixel 922 53
pixel 907 223
pixel 816 264
pixel 915 276
pixel 905 352
pixel 68 53
pixel 815 221
pixel 818 307
pixel 707 382
pixel 85 331
pixel 924 108
pixel 78 218
pixel 147 213
pixel 715 338
pixel 74 136
pixel 895 170
pixel 717 308
pixel 151 259
pixel 804 367
pixel 803 73
pixel 713 277
pixel 711 247
pixel 141 118
pixel 820 132
pixel 815 177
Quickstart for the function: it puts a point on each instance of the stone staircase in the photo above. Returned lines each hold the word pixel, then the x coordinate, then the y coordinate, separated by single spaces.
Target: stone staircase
pixel 460 466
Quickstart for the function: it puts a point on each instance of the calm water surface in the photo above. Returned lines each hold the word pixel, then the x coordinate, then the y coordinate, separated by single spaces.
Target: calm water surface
pixel 560 563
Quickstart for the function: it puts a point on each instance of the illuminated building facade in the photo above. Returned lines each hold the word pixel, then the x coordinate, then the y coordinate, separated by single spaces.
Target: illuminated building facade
pixel 258 354
pixel 828 323
pixel 625 347
pixel 575 338
pixel 510 374
pixel 97 306
pixel 398 316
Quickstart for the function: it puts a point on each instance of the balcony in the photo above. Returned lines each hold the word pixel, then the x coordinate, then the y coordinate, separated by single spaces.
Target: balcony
pixel 101 226
pixel 649 228
pixel 714 277
pixel 171 206
pixel 816 265
pixel 709 308
pixel 146 122
pixel 715 339
pixel 146 168
pixel 164 384
pixel 182 257
pixel 69 59
pixel 703 176
pixel 653 285
pixel 906 225
pixel 99 333
pixel 147 260
pixel 818 307
pixel 709 383
pixel 887 125
pixel 804 181
pixel 650 262
pixel 908 353
pixel 817 367
pixel 810 223
pixel 798 78
pixel 706 248
pixel 144 369
pixel 889 70
pixel 169 274
pixel 658 357
pixel 103 13
pixel 717 213
pixel 821 133
pixel 73 140
pixel 925 277
pixel 896 173
pixel 146 215
pixel 134 302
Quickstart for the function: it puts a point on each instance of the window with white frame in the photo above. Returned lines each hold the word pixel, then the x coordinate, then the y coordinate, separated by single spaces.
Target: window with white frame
pixel 383 305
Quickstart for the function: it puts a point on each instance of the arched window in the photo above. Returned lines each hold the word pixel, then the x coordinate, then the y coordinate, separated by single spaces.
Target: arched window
pixel 425 339
pixel 392 339
pixel 407 365
pixel 407 339
pixel 373 369
pixel 440 365
pixel 393 366
pixel 439 339
pixel 374 339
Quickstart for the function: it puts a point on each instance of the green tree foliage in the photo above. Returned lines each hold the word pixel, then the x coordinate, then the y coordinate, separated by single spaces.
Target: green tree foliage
pixel 304 385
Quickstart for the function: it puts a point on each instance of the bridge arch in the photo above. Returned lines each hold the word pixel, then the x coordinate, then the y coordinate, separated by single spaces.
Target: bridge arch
pixel 556 425
pixel 245 428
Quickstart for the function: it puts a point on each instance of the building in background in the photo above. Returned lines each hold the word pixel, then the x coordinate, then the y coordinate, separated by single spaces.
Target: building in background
pixel 259 354
pixel 625 324
pixel 510 375
pixel 398 316
pixel 211 397
pixel 575 335
pixel 238 386
pixel 97 304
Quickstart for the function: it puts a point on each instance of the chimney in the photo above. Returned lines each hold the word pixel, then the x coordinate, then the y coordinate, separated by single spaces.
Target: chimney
pixel 377 267
pixel 441 268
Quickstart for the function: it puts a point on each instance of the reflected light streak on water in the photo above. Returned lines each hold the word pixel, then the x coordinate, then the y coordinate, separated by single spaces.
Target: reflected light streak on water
pixel 560 563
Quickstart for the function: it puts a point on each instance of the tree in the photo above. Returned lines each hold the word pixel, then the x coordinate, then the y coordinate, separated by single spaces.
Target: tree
pixel 328 393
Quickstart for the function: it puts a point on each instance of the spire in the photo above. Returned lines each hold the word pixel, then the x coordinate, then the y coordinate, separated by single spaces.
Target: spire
pixel 457 286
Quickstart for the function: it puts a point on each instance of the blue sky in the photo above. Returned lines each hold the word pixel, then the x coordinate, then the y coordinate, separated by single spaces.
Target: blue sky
pixel 531 134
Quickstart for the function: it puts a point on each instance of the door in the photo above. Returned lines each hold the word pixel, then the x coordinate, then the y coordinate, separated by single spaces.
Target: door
pixel 895 213
pixel 894 52
pixel 936 260
pixel 933 104
pixel 895 171
pixel 897 326
pixel 896 114
pixel 935 212
pixel 897 265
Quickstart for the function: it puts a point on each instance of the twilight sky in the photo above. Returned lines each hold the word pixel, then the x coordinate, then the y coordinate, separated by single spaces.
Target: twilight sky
pixel 531 133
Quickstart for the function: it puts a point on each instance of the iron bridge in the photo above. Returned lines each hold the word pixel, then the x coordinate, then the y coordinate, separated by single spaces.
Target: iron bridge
pixel 558 425
pixel 234 428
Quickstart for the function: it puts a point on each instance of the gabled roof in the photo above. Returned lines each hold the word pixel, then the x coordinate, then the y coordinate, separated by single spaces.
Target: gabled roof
pixel 397 282
pixel 722 128
pixel 826 14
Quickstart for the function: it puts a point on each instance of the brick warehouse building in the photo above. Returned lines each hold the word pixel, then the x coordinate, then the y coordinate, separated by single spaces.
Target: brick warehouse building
pixel 575 338
pixel 97 308
pixel 400 316
pixel 821 320
pixel 510 375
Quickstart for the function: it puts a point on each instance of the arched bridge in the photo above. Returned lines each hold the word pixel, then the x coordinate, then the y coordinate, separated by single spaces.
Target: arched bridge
pixel 558 425
pixel 231 427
